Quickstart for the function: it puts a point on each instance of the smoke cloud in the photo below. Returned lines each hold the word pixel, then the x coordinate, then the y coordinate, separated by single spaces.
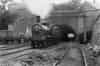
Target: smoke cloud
pixel 39 7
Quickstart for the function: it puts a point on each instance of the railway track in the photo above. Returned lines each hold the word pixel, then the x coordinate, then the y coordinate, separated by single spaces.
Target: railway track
pixel 23 51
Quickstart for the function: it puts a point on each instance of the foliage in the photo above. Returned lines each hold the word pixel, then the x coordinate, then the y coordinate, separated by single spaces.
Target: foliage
pixel 7 18
pixel 72 6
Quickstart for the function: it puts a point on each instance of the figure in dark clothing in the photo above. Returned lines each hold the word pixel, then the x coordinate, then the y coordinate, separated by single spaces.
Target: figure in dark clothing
pixel 87 39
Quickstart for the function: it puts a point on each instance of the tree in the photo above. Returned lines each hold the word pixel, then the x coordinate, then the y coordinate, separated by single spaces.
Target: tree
pixel 6 18
pixel 72 6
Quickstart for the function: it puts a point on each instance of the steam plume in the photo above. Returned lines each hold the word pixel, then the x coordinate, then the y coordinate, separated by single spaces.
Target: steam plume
pixel 39 7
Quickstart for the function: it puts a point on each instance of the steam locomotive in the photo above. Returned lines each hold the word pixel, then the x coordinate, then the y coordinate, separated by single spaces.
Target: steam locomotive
pixel 44 35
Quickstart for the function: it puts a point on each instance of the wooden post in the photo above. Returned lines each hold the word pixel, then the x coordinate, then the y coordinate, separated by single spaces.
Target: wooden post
pixel 84 23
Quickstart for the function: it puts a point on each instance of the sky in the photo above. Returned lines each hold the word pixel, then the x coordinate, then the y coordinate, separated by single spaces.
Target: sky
pixel 43 7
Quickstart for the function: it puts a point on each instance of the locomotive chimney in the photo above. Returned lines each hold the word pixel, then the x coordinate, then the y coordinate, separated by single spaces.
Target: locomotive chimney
pixel 38 19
